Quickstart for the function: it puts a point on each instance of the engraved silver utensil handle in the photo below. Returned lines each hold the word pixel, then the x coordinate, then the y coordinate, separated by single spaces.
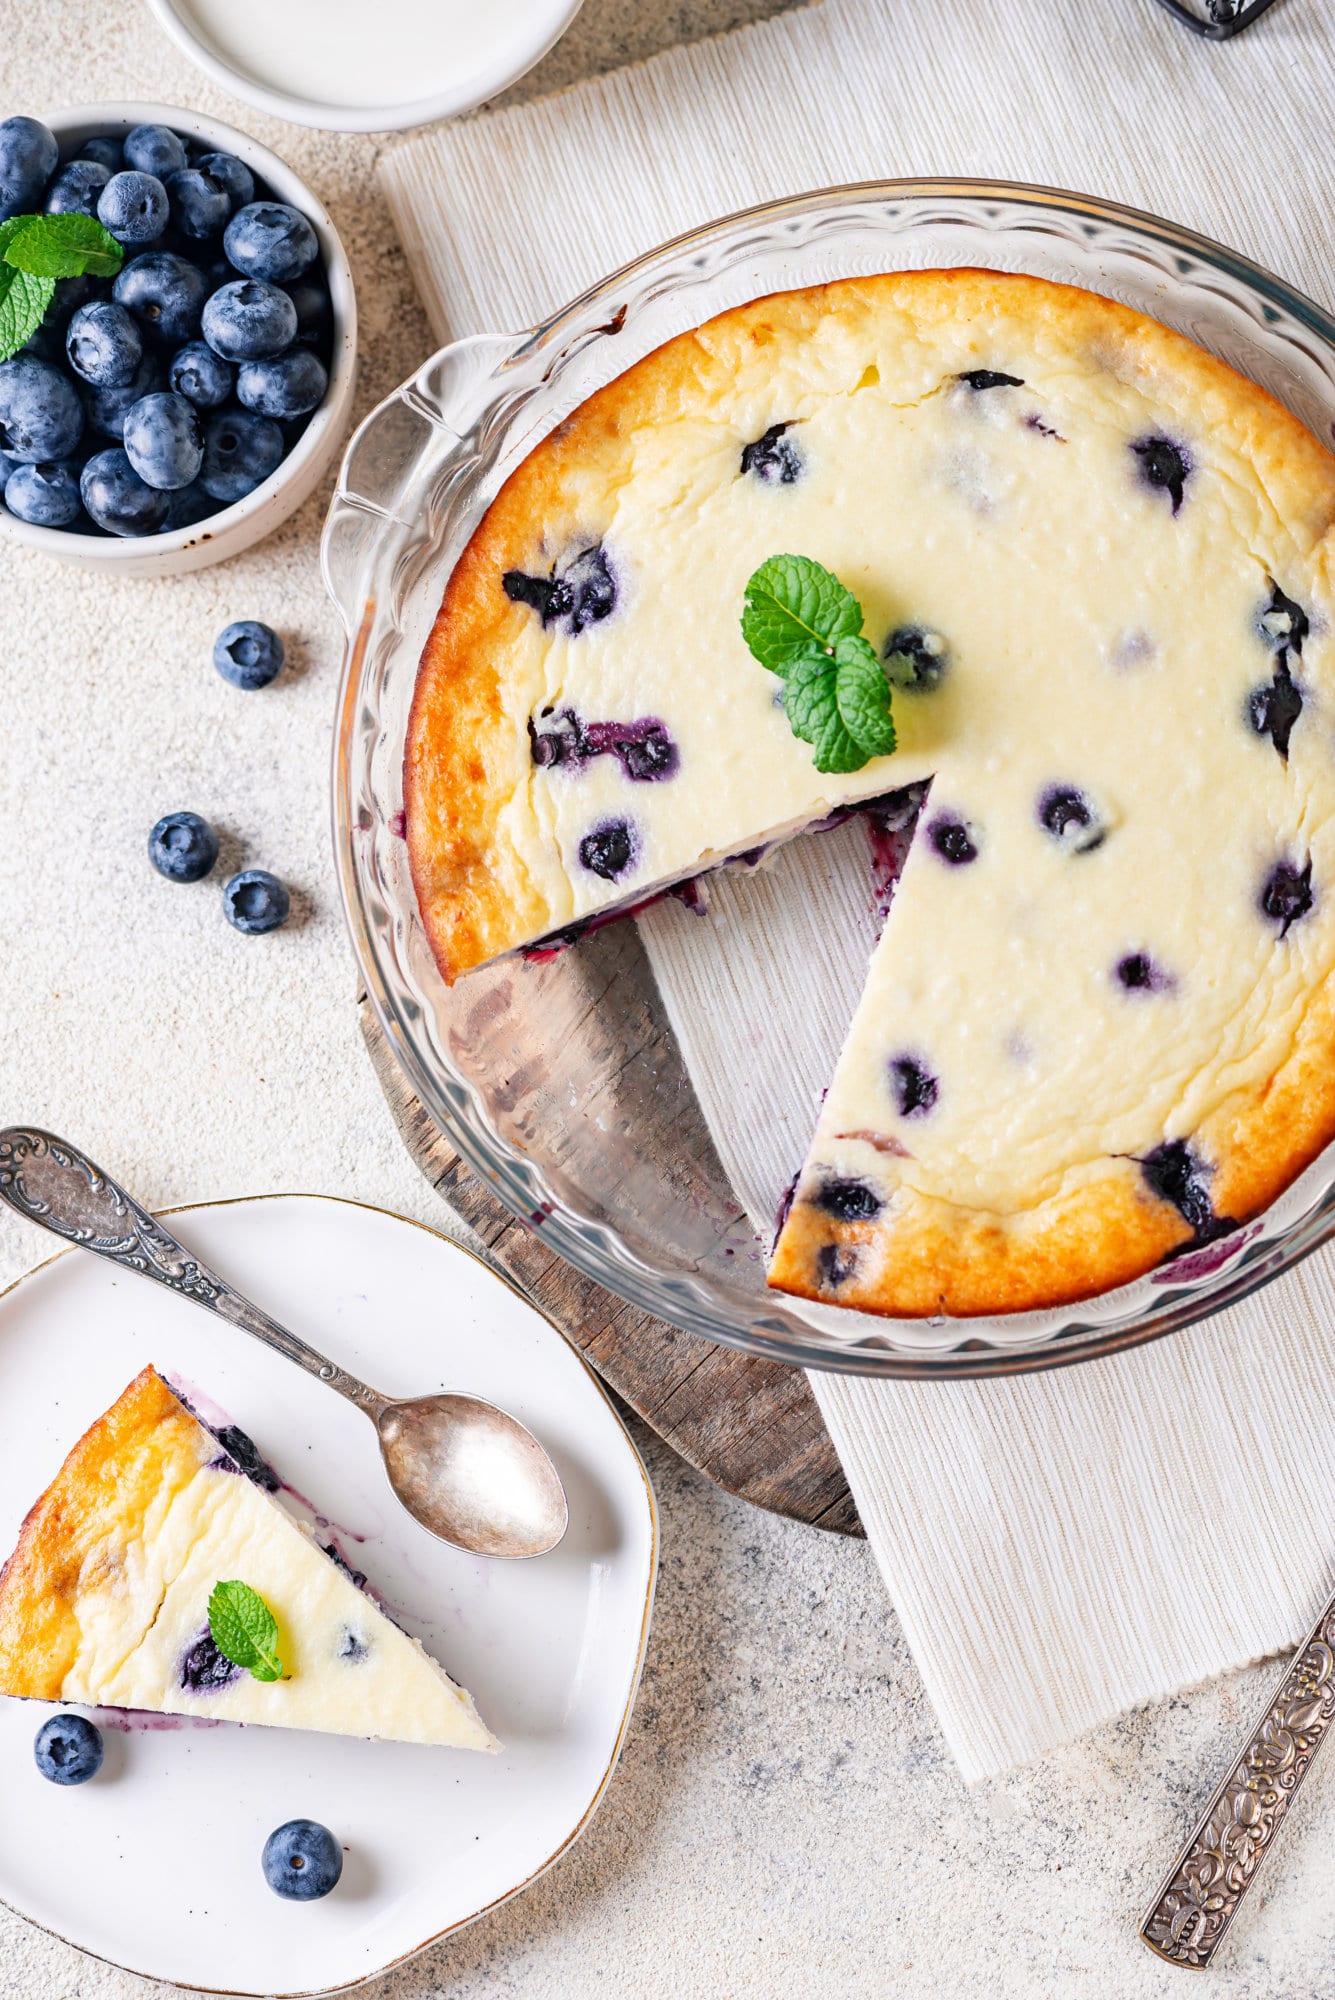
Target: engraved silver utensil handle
pixel 51 1182
pixel 1199 1897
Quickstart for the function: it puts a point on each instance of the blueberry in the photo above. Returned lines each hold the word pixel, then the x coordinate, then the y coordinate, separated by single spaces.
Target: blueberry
pixel 106 407
pixel 248 654
pixel 68 1749
pixel 183 847
pixel 231 174
pixel 41 417
pixel 610 849
pixel 352 1646
pixel 164 292
pixel 248 319
pixel 340 1561
pixel 199 203
pixel 314 312
pixel 1163 465
pixel 154 149
pixel 1068 816
pixel 284 386
pixel 134 207
pixel 772 458
pixel 915 659
pixel 848 1200
pixel 582 594
pixel 107 152
pixel 240 451
pixel 204 1668
pixel 1138 973
pixel 200 375
pixel 104 345
pixel 117 499
pixel 267 239
pixel 989 378
pixel 46 496
pixel 835 1264
pixel 1177 1175
pixel 953 840
pixel 187 506
pixel 302 1860
pixel 164 440
pixel 1283 624
pixel 7 465
pixel 28 156
pixel 1274 707
pixel 1286 894
pixel 255 901
pixel 76 188
pixel 914 1087
pixel 645 751
pixel 245 1454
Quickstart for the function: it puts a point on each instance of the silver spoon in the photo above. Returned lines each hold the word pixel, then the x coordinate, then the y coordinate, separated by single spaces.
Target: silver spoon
pixel 469 1472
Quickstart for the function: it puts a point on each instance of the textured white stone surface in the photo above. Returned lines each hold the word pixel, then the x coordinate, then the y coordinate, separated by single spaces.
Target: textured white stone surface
pixel 784 1819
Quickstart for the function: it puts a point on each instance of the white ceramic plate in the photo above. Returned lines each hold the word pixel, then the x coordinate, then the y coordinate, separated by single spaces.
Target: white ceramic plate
pixel 155 1865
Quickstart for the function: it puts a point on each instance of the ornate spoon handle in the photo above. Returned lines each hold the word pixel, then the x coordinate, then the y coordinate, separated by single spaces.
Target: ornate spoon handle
pixel 1199 1897
pixel 51 1182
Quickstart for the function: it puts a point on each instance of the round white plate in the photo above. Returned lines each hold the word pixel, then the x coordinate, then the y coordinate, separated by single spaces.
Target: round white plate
pixel 155 1865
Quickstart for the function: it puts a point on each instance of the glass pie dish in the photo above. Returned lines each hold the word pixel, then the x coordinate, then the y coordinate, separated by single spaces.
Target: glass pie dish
pixel 560 1080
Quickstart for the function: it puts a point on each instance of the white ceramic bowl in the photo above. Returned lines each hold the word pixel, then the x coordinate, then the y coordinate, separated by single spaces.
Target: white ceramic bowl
pixel 454 70
pixel 238 527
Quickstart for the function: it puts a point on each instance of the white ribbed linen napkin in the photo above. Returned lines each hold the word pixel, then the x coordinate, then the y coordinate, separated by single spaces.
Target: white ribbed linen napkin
pixel 1058 1547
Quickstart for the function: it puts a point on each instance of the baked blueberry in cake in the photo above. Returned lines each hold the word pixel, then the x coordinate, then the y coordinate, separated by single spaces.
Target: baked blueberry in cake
pixel 106 1598
pixel 1095 565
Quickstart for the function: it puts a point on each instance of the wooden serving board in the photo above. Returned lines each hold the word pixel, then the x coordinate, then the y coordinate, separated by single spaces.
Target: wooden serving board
pixel 752 1426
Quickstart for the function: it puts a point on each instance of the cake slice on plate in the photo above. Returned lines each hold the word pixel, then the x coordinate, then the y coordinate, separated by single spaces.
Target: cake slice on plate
pixel 106 1598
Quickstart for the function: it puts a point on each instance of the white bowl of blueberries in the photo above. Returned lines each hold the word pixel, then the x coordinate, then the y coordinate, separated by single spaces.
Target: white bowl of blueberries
pixel 172 411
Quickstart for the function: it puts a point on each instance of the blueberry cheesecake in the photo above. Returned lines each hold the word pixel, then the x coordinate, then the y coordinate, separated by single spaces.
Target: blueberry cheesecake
pixel 1093 567
pixel 112 1596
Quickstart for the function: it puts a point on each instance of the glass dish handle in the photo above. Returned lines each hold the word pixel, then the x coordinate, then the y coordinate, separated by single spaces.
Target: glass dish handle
pixel 396 456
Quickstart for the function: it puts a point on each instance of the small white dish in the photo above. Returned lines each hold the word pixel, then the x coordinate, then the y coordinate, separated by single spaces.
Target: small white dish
pixel 322 63
pixel 238 527
pixel 155 1865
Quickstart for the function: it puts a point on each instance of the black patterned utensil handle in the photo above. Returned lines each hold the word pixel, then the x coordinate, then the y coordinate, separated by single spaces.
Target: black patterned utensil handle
pixel 1199 1898
pixel 1220 19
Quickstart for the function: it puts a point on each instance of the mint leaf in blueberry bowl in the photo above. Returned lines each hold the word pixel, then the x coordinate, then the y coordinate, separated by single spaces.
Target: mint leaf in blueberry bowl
pixel 177 339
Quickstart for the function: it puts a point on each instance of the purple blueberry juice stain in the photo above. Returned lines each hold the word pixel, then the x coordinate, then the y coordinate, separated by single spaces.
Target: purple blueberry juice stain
pixel 644 749
pixel 1033 422
pixel 1131 649
pixel 1164 466
pixel 786 1200
pixel 580 595
pixel 1193 1262
pixel 398 824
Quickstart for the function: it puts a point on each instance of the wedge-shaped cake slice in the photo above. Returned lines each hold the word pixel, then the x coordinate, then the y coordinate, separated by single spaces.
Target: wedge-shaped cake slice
pixel 105 1599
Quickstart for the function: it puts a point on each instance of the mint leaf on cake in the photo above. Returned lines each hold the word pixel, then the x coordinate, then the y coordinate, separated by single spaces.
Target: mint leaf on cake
pixel 803 625
pixel 792 604
pixel 244 1630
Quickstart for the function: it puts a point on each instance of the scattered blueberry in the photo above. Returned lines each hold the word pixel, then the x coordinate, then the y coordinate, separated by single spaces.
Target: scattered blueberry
pixel 581 595
pixel 154 149
pixel 915 1088
pixel 772 457
pixel 1163 465
pixel 164 292
pixel 610 849
pixel 7 465
pixel 1286 894
pixel 990 378
pixel 68 1749
pixel 1275 706
pixel 245 1454
pixel 269 240
pixel 1068 816
pixel 106 408
pixel 200 375
pixel 117 499
pixel 199 203
pixel 314 312
pixel 1177 1175
pixel 953 840
pixel 249 319
pixel 41 417
pixel 28 156
pixel 240 451
pixel 76 189
pixel 231 174
pixel 256 901
pixel 302 1860
pixel 46 496
pixel 848 1200
pixel 164 440
pixel 835 1264
pixel 915 659
pixel 133 207
pixel 248 654
pixel 104 345
pixel 204 1668
pixel 183 847
pixel 352 1646
pixel 644 750
pixel 283 386
pixel 1283 624
pixel 1138 973
pixel 108 153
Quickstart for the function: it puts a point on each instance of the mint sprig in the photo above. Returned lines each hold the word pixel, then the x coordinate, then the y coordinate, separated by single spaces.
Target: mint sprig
pixel 803 625
pixel 36 251
pixel 244 1630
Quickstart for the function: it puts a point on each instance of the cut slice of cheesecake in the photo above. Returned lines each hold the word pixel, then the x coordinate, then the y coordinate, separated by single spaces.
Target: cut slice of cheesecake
pixel 105 1599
